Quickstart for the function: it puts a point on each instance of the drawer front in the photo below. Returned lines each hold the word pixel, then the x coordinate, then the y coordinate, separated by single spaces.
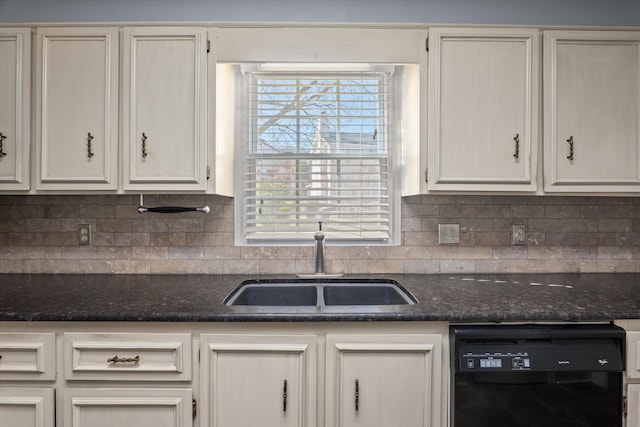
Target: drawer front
pixel 27 356
pixel 633 354
pixel 124 357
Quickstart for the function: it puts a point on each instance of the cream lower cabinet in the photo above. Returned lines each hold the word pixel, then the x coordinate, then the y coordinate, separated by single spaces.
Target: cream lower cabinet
pixel 96 365
pixel 592 111
pixel 633 405
pixel 27 374
pixel 390 380
pixel 26 407
pixel 259 380
pixel 125 407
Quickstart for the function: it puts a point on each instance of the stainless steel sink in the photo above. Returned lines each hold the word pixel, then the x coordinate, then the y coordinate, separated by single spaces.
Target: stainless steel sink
pixel 319 292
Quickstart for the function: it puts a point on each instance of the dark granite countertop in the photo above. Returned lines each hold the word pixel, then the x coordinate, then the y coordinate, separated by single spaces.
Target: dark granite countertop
pixel 199 298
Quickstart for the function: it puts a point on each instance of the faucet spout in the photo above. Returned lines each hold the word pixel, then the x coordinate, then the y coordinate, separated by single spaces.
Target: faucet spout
pixel 319 236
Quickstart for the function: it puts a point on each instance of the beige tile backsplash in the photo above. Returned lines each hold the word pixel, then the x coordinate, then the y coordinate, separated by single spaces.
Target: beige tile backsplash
pixel 38 234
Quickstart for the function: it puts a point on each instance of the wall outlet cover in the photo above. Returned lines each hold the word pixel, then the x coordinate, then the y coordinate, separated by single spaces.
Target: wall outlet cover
pixel 518 235
pixel 448 233
pixel 84 234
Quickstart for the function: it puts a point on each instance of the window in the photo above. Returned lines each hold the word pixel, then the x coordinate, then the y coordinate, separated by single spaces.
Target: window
pixel 317 145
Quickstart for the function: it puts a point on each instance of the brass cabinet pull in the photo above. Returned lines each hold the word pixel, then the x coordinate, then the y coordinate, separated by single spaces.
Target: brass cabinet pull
pixel 118 359
pixel 570 141
pixel 144 145
pixel 284 396
pixel 357 395
pixel 2 138
pixel 89 150
pixel 517 141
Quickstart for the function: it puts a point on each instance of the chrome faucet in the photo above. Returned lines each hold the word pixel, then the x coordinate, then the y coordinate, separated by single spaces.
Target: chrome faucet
pixel 319 236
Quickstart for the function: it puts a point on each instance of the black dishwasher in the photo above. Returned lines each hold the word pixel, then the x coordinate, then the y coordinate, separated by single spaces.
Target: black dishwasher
pixel 537 375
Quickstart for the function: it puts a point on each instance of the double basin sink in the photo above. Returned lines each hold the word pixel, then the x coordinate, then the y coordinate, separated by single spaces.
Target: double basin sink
pixel 319 292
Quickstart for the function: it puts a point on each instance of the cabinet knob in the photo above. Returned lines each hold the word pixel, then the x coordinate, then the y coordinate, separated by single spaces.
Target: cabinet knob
pixel 570 141
pixel 89 148
pixel 144 145
pixel 2 138
pixel 517 141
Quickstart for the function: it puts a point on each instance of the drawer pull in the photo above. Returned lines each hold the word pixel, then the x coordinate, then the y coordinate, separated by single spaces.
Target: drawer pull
pixel 357 395
pixel 118 359
pixel 284 396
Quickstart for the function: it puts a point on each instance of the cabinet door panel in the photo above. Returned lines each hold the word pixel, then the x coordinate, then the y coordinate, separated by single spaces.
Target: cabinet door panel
pixel 127 408
pixel 383 381
pixel 482 114
pixel 77 108
pixel 166 96
pixel 592 112
pixel 15 69
pixel 245 378
pixel 26 407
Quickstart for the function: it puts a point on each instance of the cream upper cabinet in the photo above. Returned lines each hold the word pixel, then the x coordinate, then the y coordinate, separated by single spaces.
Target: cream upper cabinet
pixel 164 108
pixel 258 380
pixel 389 380
pixel 483 109
pixel 592 111
pixel 77 108
pixel 15 101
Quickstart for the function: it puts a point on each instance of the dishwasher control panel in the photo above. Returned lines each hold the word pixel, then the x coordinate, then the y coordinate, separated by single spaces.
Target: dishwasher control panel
pixel 496 361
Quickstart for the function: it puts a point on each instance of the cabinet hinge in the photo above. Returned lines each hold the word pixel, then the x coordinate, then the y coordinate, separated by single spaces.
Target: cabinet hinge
pixel 208 172
pixel 194 408
pixel 208 46
pixel 426 44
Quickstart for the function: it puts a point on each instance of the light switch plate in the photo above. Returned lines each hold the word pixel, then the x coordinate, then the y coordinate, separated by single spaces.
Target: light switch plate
pixel 518 235
pixel 448 233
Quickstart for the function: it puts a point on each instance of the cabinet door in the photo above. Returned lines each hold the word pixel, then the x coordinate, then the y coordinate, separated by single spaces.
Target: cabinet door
pixel 592 111
pixel 483 109
pixel 633 405
pixel 15 69
pixel 165 109
pixel 384 380
pixel 127 407
pixel 26 407
pixel 258 380
pixel 77 108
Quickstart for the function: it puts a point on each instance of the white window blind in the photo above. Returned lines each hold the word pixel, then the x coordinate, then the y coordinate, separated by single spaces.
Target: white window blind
pixel 317 150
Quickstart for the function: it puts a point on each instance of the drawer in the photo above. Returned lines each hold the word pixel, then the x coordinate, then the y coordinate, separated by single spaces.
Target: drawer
pixel 27 356
pixel 124 356
pixel 633 354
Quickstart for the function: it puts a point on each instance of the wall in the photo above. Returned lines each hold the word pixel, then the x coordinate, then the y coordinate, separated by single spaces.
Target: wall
pixel 38 234
pixel 512 12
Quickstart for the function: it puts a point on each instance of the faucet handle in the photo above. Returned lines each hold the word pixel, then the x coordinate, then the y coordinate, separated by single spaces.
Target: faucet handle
pixel 319 225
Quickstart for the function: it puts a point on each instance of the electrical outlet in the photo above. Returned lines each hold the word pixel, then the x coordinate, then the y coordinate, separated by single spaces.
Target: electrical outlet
pixel 448 233
pixel 84 234
pixel 518 235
